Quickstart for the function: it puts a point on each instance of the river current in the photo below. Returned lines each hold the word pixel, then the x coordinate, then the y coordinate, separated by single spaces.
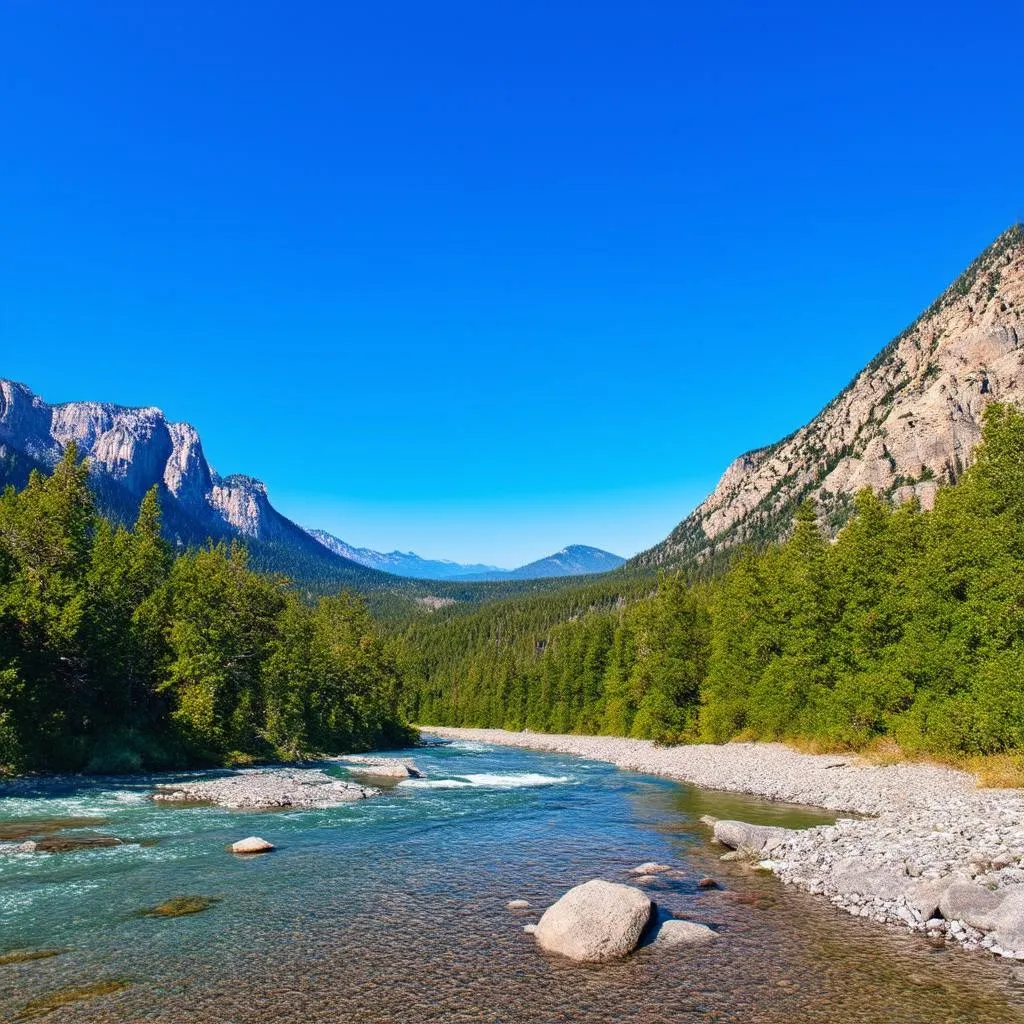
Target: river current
pixel 393 909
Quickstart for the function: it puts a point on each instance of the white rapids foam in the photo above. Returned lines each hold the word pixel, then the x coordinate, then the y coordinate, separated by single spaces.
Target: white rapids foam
pixel 485 780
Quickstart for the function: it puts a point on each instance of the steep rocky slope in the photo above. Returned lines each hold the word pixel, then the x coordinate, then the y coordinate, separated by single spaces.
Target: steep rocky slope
pixel 130 450
pixel 905 425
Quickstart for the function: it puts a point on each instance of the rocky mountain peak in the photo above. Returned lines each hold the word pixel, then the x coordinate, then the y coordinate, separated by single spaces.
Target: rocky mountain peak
pixel 905 425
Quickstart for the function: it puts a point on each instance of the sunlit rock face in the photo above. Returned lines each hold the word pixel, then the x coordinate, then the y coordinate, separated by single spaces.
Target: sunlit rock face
pixel 908 422
pixel 136 449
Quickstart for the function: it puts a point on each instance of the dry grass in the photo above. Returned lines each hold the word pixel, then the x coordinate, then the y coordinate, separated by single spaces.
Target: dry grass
pixel 998 771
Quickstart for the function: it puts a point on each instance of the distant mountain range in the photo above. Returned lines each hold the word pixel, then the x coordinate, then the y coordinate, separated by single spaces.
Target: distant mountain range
pixel 575 560
pixel 132 449
pixel 905 425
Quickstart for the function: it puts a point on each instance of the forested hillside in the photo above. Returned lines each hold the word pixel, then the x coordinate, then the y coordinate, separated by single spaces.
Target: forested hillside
pixel 909 625
pixel 116 655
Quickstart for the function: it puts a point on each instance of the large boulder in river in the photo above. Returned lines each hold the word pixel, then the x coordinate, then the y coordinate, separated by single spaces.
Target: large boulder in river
pixel 252 844
pixel 595 922
pixel 749 838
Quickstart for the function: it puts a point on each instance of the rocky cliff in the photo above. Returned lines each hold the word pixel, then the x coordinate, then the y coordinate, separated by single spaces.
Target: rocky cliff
pixel 904 426
pixel 131 450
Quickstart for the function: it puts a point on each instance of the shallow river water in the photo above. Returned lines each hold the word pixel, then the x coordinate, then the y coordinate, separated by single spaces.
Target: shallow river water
pixel 393 909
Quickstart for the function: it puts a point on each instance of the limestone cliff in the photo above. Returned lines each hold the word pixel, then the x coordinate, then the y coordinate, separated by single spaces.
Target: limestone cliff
pixel 905 425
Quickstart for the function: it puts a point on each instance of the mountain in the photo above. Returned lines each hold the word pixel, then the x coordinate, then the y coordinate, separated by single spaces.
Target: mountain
pixel 905 425
pixel 403 563
pixel 129 450
pixel 575 560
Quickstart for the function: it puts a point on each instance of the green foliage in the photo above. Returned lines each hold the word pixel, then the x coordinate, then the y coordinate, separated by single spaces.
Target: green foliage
pixel 116 656
pixel 909 625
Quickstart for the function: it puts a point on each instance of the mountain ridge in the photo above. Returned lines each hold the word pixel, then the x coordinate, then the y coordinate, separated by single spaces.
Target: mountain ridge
pixel 905 424
pixel 131 449
pixel 573 560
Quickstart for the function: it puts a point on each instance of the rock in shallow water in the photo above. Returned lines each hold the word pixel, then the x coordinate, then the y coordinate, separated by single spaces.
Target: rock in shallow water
pixel 754 838
pixel 682 933
pixel 518 905
pixel 595 922
pixel 649 867
pixel 380 767
pixel 253 844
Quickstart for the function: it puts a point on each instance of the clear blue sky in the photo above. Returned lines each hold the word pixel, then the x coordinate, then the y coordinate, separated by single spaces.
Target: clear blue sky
pixel 484 279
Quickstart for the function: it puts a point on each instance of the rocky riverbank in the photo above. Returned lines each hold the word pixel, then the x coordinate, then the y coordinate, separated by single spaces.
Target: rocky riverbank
pixel 938 855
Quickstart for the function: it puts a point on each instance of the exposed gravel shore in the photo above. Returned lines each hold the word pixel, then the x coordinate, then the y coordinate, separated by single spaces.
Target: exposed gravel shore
pixel 938 855
pixel 266 788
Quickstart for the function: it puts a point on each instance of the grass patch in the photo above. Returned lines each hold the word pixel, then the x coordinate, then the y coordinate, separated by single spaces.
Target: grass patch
pixel 24 956
pixel 180 906
pixel 66 996
pixel 998 771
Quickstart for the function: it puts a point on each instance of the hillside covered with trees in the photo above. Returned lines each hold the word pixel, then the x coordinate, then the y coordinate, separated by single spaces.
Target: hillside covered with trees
pixel 115 655
pixel 909 625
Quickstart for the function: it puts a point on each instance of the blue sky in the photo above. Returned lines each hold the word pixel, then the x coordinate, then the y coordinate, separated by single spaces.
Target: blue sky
pixel 482 280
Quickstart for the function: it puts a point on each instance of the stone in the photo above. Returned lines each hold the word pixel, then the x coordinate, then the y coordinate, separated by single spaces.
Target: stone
pixel 707 883
pixel 926 896
pixel 682 933
pixel 646 879
pixel 530 929
pixel 970 903
pixel 755 838
pixel 253 844
pixel 595 922
pixel 650 867
pixel 1009 921
pixel 518 905
pixel 855 875
pixel 380 767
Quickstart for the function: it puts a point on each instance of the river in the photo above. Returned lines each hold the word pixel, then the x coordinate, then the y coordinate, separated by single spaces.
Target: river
pixel 393 909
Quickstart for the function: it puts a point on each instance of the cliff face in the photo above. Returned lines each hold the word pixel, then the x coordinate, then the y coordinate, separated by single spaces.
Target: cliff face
pixel 906 424
pixel 135 449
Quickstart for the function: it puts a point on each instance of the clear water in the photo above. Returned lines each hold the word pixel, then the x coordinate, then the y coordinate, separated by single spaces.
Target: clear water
pixel 393 909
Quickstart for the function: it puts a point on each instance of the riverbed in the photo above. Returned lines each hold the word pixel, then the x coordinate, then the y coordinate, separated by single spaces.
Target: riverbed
pixel 393 909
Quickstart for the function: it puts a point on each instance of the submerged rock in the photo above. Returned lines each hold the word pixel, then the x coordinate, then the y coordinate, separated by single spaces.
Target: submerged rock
pixel 682 933
pixel 595 922
pixel 180 906
pixel 272 788
pixel 24 956
pixel 253 844
pixel 66 996
pixel 518 905
pixel 73 844
pixel 650 867
pixel 32 828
